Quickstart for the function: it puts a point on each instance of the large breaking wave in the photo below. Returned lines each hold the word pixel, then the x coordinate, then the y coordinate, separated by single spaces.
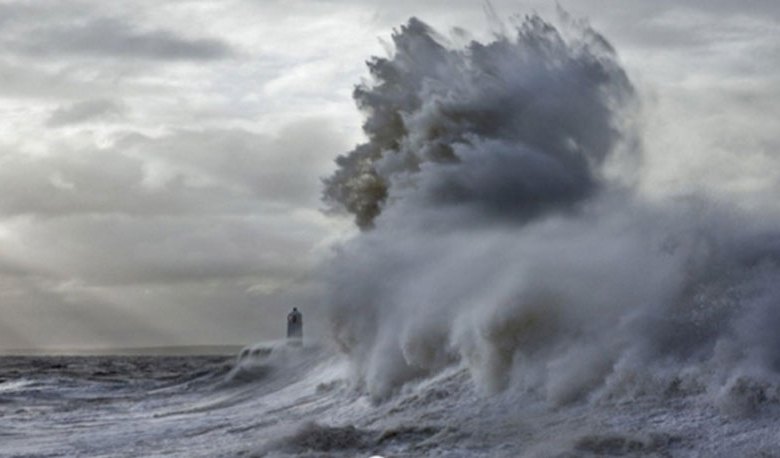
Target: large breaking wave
pixel 502 229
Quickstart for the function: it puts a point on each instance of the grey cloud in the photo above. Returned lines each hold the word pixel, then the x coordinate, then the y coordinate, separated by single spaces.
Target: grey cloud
pixel 209 172
pixel 112 250
pixel 109 259
pixel 630 8
pixel 83 111
pixel 38 83
pixel 106 37
pixel 13 13
pixel 283 168
pixel 119 279
pixel 758 8
pixel 637 23
pixel 49 312
pixel 191 229
pixel 74 183
pixel 226 206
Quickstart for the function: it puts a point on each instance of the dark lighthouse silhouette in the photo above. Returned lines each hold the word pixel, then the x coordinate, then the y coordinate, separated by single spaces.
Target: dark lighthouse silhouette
pixel 295 327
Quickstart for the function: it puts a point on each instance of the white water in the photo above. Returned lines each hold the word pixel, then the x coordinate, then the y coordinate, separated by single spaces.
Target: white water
pixel 300 402
pixel 512 293
pixel 504 232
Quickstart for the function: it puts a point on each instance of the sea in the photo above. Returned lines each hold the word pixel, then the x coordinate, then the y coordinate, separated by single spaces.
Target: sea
pixel 515 291
pixel 279 400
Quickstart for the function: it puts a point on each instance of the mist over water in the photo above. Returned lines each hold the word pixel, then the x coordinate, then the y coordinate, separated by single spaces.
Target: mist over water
pixel 513 291
pixel 511 130
pixel 503 229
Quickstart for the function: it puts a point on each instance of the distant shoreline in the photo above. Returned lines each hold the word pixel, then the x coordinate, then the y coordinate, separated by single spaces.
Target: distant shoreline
pixel 183 350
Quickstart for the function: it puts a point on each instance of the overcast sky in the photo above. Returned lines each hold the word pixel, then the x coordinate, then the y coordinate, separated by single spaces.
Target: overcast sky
pixel 160 162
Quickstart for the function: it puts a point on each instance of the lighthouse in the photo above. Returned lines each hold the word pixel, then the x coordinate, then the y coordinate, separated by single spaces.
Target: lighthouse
pixel 295 327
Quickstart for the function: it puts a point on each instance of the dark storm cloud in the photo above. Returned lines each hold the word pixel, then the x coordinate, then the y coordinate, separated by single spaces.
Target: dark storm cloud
pixel 108 37
pixel 83 111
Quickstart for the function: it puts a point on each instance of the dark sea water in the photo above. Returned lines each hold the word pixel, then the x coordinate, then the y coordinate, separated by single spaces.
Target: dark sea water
pixel 101 405
pixel 516 291
pixel 278 400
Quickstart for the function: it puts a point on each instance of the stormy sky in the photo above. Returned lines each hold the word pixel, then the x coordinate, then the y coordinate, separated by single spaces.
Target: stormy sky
pixel 161 162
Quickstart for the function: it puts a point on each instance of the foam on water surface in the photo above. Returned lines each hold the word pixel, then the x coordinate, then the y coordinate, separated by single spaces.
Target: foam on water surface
pixel 511 292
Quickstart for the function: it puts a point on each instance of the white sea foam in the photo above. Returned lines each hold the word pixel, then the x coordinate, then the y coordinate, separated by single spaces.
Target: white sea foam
pixel 511 293
pixel 502 229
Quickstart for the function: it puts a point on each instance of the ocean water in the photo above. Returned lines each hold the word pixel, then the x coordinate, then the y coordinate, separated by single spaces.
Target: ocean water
pixel 514 290
pixel 302 401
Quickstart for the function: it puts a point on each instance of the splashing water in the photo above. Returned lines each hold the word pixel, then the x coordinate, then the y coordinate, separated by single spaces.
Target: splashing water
pixel 497 233
pixel 505 250
pixel 509 130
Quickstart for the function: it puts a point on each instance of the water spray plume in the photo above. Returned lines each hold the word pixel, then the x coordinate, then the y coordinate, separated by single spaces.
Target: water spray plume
pixel 514 128
pixel 494 235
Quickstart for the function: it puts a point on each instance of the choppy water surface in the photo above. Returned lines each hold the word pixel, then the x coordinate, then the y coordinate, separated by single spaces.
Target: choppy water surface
pixel 515 290
pixel 288 401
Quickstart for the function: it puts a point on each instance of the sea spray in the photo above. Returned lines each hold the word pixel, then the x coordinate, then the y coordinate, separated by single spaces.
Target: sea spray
pixel 511 129
pixel 494 235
